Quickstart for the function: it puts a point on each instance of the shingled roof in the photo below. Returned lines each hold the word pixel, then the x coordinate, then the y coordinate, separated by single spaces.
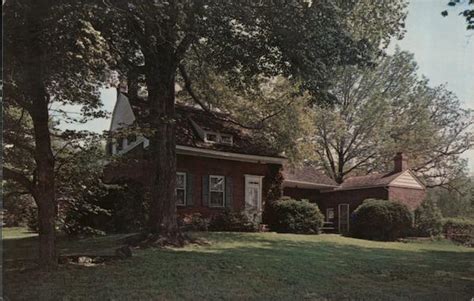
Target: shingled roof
pixel 313 176
pixel 190 119
pixel 192 122
pixel 374 179
pixel 307 174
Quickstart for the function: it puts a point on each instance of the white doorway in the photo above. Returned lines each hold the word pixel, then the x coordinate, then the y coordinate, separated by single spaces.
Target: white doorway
pixel 253 197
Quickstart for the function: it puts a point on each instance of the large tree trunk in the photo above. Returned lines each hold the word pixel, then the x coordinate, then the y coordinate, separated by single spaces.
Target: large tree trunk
pixel 44 192
pixel 44 187
pixel 47 237
pixel 161 97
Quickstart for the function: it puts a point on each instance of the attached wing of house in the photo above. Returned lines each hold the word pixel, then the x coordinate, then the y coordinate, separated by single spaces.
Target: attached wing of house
pixel 338 201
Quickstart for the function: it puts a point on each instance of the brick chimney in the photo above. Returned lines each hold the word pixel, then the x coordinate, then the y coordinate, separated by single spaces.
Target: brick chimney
pixel 400 162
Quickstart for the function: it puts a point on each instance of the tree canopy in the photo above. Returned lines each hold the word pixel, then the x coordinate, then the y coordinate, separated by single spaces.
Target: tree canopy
pixel 380 111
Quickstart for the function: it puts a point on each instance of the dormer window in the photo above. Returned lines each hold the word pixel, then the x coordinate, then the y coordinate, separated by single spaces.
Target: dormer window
pixel 226 139
pixel 212 137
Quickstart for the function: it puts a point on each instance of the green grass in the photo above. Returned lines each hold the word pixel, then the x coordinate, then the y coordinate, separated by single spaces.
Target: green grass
pixel 250 266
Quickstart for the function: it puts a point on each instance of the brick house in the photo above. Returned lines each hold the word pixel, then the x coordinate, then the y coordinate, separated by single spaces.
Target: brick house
pixel 222 166
pixel 338 201
pixel 219 165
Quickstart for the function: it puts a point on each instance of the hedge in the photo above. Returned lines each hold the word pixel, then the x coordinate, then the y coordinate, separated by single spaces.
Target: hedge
pixel 292 216
pixel 460 230
pixel 381 220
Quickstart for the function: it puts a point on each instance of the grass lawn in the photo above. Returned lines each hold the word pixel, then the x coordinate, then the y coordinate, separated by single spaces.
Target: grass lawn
pixel 248 266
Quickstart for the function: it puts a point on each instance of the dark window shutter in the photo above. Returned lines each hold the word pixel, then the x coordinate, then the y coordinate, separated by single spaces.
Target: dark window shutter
pixel 228 192
pixel 189 189
pixel 205 190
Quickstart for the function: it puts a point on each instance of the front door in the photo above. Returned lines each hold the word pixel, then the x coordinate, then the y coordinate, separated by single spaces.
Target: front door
pixel 343 218
pixel 253 197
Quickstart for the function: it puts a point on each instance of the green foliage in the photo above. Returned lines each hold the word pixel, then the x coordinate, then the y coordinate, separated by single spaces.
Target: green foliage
pixel 460 230
pixel 456 200
pixel 428 219
pixel 86 205
pixel 234 221
pixel 17 209
pixel 381 220
pixel 80 188
pixel 292 216
pixel 378 22
pixel 386 109
pixel 128 207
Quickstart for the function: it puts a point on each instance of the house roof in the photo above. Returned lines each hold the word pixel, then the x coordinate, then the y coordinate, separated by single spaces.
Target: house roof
pixel 307 174
pixel 373 179
pixel 311 177
pixel 191 123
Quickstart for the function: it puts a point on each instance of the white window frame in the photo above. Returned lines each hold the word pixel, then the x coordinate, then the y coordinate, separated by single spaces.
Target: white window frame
pixel 211 190
pixel 184 188
pixel 211 133
pixel 327 213
pixel 219 139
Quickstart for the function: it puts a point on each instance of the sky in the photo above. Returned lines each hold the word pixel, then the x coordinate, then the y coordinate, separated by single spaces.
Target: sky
pixel 443 49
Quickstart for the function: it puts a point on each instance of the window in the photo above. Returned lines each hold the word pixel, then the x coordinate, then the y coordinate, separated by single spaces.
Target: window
pixel 226 139
pixel 211 137
pixel 329 214
pixel 181 188
pixel 216 191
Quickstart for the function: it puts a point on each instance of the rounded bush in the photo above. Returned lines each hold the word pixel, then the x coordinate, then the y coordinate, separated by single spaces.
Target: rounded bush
pixel 292 216
pixel 381 220
pixel 428 219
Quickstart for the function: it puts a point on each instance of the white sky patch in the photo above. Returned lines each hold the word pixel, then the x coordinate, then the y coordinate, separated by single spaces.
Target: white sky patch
pixel 108 97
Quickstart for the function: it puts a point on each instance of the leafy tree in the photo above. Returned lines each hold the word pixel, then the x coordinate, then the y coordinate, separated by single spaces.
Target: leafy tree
pixel 276 108
pixel 380 111
pixel 52 54
pixel 79 186
pixel 455 199
pixel 299 39
pixel 428 219
pixel 377 22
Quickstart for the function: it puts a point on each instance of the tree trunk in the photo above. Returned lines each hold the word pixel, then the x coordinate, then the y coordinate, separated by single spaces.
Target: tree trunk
pixel 161 97
pixel 44 187
pixel 45 182
pixel 48 258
